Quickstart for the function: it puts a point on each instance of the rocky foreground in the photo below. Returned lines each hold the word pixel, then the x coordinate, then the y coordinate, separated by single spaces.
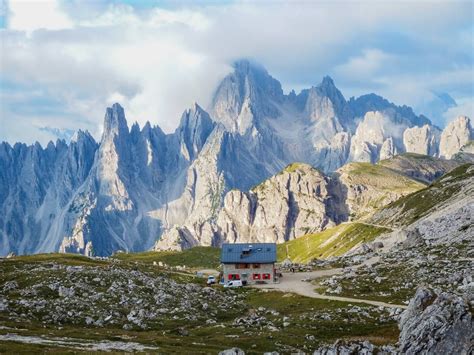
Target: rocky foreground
pixel 74 303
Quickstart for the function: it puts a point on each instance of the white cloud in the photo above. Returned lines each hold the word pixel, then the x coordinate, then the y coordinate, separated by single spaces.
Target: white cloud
pixel 465 107
pixel 364 66
pixel 30 15
pixel 157 62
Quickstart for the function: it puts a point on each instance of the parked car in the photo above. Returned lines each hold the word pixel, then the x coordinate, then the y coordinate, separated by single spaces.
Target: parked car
pixel 234 283
pixel 211 280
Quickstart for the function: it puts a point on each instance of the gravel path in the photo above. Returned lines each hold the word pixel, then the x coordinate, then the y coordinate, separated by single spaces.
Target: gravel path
pixel 293 282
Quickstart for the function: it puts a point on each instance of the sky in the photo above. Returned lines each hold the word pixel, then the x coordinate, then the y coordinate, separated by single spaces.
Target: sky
pixel 62 62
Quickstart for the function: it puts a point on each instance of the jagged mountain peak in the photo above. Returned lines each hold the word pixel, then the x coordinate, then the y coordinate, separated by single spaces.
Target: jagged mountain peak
pixel 464 120
pixel 81 135
pixel 244 96
pixel 328 88
pixel 327 83
pixel 374 102
pixel 134 185
pixel 195 110
pixel 135 129
pixel 194 128
pixel 245 66
pixel 114 121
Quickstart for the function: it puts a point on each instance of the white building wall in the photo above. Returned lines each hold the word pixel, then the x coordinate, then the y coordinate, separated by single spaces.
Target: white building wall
pixel 247 273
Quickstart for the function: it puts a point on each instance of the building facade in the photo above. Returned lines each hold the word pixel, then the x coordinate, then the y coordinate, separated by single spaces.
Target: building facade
pixel 251 263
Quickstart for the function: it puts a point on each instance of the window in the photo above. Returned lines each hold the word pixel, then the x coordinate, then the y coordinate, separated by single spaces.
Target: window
pixel 257 276
pixel 256 266
pixel 242 266
pixel 266 276
pixel 233 277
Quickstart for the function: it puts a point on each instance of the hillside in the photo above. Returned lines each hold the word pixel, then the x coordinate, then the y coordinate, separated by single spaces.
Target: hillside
pixel 298 200
pixel 197 257
pixel 368 187
pixel 423 168
pixel 334 241
pixel 457 185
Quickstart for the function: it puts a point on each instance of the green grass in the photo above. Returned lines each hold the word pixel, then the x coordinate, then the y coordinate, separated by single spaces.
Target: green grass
pixel 331 242
pixel 365 286
pixel 409 156
pixel 381 177
pixel 296 166
pixel 197 257
pixel 66 259
pixel 300 309
pixel 401 274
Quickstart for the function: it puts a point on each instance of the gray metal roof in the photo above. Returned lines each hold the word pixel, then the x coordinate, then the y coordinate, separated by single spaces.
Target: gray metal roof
pixel 248 253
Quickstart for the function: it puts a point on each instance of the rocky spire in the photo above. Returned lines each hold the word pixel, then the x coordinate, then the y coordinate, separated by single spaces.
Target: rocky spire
pixel 195 127
pixel 114 122
pixel 244 96
pixel 325 102
pixel 456 134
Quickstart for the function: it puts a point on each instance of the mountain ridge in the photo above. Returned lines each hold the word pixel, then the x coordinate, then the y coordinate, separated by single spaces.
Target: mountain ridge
pixel 136 185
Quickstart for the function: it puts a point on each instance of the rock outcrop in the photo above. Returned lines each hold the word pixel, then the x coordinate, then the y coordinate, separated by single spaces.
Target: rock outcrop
pixel 422 140
pixel 457 134
pixel 377 137
pixel 355 347
pixel 437 324
pixel 297 201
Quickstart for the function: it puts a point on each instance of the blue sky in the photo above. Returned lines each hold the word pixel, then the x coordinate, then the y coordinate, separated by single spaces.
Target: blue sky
pixel 62 62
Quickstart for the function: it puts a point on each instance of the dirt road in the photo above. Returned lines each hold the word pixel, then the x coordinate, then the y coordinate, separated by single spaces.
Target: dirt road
pixel 292 282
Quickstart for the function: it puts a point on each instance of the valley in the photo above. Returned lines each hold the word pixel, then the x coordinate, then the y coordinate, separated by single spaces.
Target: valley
pixel 106 246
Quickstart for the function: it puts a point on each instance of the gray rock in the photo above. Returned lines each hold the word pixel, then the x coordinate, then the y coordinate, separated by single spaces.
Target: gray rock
pixel 436 324
pixel 456 134
pixel 232 351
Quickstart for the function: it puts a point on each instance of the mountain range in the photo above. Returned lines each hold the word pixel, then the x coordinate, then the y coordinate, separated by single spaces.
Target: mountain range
pixel 257 164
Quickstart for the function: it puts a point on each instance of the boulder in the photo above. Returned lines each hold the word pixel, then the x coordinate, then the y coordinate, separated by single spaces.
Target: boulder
pixel 436 323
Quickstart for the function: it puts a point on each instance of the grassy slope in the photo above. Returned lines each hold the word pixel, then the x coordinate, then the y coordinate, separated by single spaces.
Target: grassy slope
pixel 197 257
pixel 408 209
pixel 381 178
pixel 65 259
pixel 420 167
pixel 311 246
pixel 373 186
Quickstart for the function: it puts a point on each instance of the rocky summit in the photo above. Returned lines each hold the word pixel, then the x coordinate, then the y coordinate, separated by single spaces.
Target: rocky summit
pixel 207 182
